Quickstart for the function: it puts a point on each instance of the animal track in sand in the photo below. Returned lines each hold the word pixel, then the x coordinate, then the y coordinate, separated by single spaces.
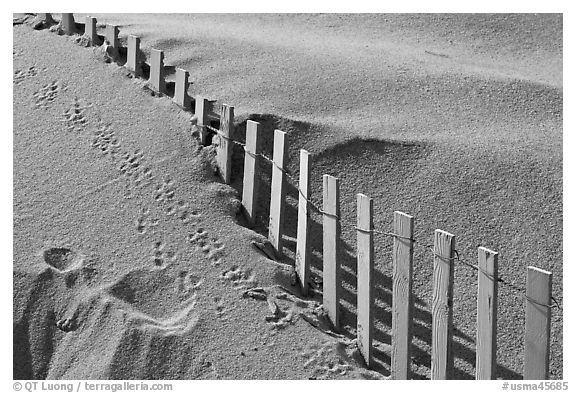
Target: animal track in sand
pixel 160 256
pixel 187 282
pixel 105 140
pixel 143 222
pixel 211 247
pixel 21 75
pixel 74 116
pixel 219 306
pixel 48 93
pixel 240 278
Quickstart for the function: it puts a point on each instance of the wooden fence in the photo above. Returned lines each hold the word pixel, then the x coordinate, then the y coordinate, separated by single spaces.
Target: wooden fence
pixel 538 294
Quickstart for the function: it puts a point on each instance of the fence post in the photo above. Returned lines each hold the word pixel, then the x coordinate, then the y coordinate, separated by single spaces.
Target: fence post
pixel 402 298
pixel 90 30
pixel 68 24
pixel 365 285
pixel 278 191
pixel 442 357
pixel 201 112
pixel 224 150
pixel 112 39
pixel 330 250
pixel 487 314
pixel 181 88
pixel 251 183
pixel 133 60
pixel 537 335
pixel 157 70
pixel 302 263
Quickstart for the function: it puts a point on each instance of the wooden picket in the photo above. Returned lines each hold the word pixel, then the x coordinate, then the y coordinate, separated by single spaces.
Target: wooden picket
pixel 112 40
pixel 133 57
pixel 157 81
pixel 202 106
pixel 278 192
pixel 181 89
pixel 251 183
pixel 90 30
pixel 331 249
pixel 442 357
pixel 487 314
pixel 302 259
pixel 68 24
pixel 537 335
pixel 224 151
pixel 402 304
pixel 365 276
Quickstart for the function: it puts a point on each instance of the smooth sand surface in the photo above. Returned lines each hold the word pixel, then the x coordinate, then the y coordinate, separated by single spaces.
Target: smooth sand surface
pixel 454 119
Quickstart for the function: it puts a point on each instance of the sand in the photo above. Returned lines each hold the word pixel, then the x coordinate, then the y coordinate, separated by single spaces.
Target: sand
pixel 131 262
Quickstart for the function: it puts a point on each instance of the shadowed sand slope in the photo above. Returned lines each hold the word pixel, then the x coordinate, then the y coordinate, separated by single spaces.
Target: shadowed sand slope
pixel 455 119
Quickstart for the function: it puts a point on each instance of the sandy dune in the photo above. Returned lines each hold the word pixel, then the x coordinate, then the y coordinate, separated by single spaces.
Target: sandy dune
pixel 128 259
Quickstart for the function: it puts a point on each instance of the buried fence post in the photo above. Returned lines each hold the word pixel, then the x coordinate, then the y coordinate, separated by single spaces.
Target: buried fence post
pixel 278 191
pixel 90 30
pixel 251 183
pixel 112 40
pixel 68 24
pixel 538 313
pixel 181 90
pixel 331 245
pixel 442 357
pixel 302 262
pixel 157 80
pixel 487 314
pixel 224 150
pixel 403 303
pixel 133 58
pixel 365 285
pixel 201 112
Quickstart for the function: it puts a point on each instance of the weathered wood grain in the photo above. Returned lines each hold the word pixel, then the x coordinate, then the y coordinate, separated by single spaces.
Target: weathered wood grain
pixel 251 183
pixel 538 314
pixel 365 275
pixel 442 357
pixel 331 249
pixel 224 150
pixel 487 310
pixel 157 80
pixel 278 191
pixel 302 262
pixel 402 298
